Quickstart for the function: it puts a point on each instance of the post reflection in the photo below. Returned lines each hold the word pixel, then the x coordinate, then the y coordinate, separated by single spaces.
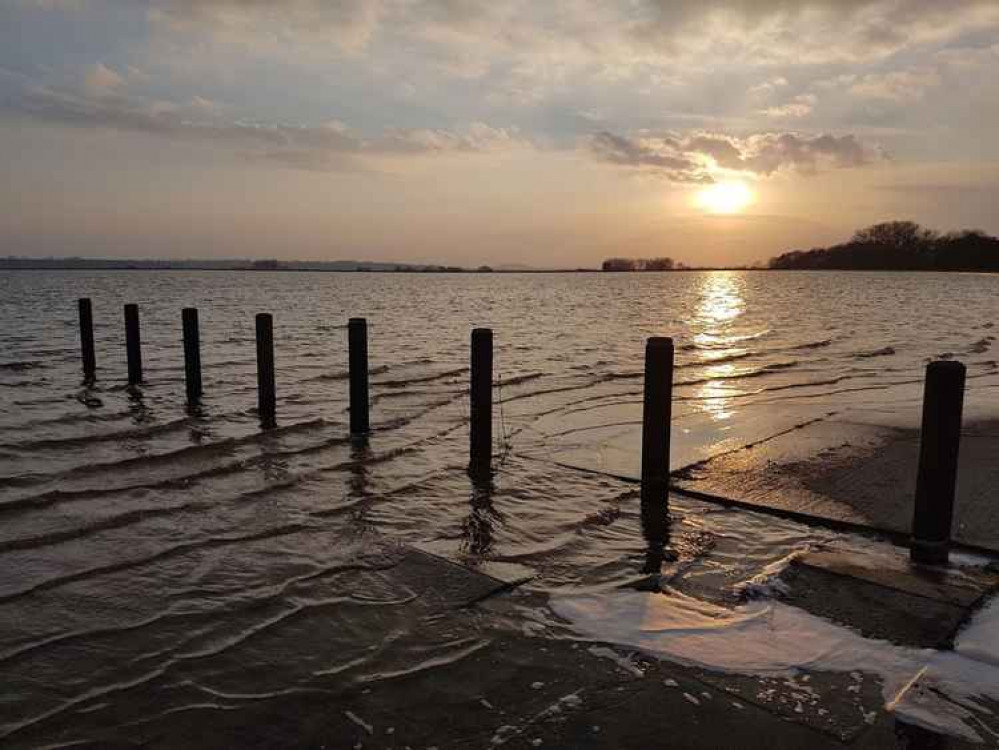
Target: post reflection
pixel 656 531
pixel 358 484
pixel 482 518
pixel 199 418
pixel 138 411
pixel 272 464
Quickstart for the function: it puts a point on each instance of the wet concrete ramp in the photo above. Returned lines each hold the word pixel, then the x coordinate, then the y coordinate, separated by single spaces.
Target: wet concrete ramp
pixel 261 676
pixel 855 471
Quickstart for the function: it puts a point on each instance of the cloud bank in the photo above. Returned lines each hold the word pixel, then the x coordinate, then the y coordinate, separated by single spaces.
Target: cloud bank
pixel 701 157
pixel 102 103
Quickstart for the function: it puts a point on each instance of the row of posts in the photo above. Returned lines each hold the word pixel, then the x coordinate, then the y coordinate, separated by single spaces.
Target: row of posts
pixel 480 397
pixel 940 435
pixel 133 347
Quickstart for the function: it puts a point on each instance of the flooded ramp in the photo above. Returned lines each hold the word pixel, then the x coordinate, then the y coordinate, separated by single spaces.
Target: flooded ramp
pixel 191 675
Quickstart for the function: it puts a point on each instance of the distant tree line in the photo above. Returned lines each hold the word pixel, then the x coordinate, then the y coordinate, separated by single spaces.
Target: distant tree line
pixel 900 246
pixel 638 264
pixel 266 264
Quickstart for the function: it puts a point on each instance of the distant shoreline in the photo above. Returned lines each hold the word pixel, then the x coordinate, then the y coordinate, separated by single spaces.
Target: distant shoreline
pixel 473 272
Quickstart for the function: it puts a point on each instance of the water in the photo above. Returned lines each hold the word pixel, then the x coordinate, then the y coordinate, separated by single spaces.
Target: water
pixel 155 561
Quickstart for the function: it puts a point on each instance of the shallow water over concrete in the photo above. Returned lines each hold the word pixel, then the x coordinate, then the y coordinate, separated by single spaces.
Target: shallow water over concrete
pixel 156 561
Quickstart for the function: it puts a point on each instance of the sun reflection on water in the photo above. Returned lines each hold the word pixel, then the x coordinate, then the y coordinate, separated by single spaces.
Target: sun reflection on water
pixel 721 303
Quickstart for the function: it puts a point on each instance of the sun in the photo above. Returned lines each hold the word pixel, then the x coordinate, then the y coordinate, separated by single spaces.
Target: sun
pixel 725 197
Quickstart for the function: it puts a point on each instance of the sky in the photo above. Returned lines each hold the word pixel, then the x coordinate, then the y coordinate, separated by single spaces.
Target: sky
pixel 553 134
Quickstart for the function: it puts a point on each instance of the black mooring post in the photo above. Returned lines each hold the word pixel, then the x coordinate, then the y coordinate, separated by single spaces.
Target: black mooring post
pixel 266 400
pixel 357 355
pixel 481 404
pixel 656 414
pixel 133 344
pixel 192 354
pixel 943 402
pixel 87 339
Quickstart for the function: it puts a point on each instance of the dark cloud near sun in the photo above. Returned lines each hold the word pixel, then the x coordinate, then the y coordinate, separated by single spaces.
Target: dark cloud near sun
pixel 698 158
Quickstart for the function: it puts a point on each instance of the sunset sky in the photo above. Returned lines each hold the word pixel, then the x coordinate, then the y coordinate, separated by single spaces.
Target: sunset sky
pixel 546 133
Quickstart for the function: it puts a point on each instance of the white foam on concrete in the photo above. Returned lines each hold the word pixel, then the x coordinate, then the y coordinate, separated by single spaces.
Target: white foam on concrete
pixel 767 638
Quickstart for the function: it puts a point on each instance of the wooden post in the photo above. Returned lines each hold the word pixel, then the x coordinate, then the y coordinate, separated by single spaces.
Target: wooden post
pixel 87 339
pixel 192 354
pixel 481 400
pixel 656 415
pixel 133 344
pixel 357 344
pixel 936 481
pixel 266 400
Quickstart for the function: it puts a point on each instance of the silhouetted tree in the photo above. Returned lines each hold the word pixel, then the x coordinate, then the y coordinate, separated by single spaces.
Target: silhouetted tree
pixel 638 264
pixel 659 264
pixel 618 264
pixel 900 245
pixel 898 235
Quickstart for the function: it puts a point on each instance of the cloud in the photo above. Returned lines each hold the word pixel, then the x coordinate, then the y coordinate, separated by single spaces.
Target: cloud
pixel 347 24
pixel 799 106
pixel 768 88
pixel 478 137
pixel 701 157
pixel 100 80
pixel 468 35
pixel 767 153
pixel 810 32
pixel 331 145
pixel 719 65
pixel 898 86
pixel 52 4
pixel 969 57
pixel 661 154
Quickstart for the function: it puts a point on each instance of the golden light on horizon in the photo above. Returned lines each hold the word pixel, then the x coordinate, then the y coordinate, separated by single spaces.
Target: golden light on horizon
pixel 728 197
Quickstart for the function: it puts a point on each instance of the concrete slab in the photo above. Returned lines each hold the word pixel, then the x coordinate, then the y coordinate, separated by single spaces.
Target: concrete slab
pixel 980 716
pixel 841 705
pixel 607 437
pixel 884 597
pixel 875 611
pixel 960 586
pixel 668 709
pixel 407 663
pixel 848 469
pixel 506 575
pixel 272 669
pixel 447 584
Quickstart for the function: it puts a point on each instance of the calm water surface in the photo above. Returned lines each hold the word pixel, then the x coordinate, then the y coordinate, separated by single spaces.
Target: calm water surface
pixel 155 561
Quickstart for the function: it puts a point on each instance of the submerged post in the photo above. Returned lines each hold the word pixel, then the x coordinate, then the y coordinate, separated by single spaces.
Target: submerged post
pixel 943 402
pixel 192 354
pixel 656 414
pixel 87 339
pixel 133 344
pixel 481 404
pixel 357 345
pixel 266 400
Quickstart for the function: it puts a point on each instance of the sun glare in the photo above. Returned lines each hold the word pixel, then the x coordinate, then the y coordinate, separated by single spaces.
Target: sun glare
pixel 725 197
